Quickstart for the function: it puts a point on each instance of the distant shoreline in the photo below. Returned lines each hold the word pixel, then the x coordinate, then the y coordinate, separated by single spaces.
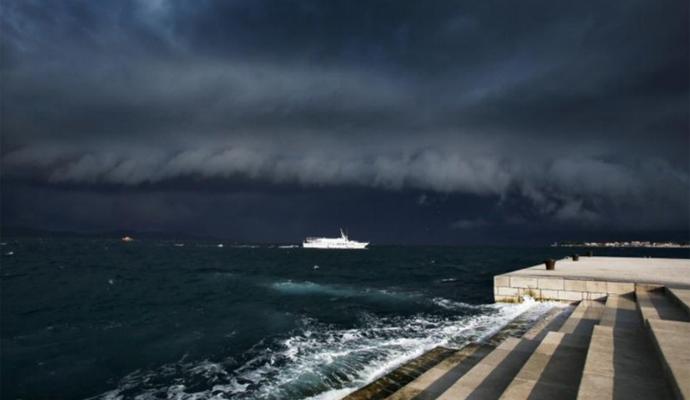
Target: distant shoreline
pixel 631 244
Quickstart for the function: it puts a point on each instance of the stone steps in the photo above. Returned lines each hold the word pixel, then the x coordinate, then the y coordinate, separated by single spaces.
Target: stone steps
pixel 551 371
pixel 682 297
pixel 655 304
pixel 621 312
pixel 489 378
pixel 552 321
pixel 672 340
pixel 439 378
pixel 621 364
pixel 394 380
pixel 582 321
pixel 635 346
pixel 667 315
pixel 621 361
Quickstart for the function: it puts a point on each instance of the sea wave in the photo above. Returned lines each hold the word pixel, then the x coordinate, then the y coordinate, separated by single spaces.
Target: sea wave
pixel 320 361
pixel 305 288
pixel 290 287
pixel 458 305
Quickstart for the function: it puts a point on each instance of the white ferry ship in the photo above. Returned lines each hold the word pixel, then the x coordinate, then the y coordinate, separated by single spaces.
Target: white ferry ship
pixel 343 242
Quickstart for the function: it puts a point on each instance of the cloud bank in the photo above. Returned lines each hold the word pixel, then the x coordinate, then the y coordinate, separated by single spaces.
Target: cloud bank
pixel 577 114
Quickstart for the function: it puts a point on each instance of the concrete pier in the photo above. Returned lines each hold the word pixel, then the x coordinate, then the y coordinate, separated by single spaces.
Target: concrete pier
pixel 628 337
pixel 591 278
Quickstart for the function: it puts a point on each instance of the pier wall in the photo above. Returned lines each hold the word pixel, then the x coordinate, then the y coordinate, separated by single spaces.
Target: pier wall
pixel 509 288
pixel 590 278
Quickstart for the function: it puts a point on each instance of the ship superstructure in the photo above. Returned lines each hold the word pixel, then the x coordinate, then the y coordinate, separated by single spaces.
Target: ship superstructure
pixel 342 242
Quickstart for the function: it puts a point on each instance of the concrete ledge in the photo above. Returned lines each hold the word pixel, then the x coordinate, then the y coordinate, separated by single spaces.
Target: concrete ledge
pixel 591 278
pixel 547 291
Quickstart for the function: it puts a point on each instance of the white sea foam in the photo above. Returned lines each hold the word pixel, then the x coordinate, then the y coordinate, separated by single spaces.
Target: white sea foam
pixel 307 287
pixel 312 288
pixel 362 355
pixel 457 305
pixel 333 394
pixel 322 362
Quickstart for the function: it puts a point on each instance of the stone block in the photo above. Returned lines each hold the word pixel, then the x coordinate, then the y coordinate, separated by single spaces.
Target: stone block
pixel 523 282
pixel 507 291
pixel 596 286
pixel 534 293
pixel 647 286
pixel 551 283
pixel 595 296
pixel 569 295
pixel 574 285
pixel 547 294
pixel 501 281
pixel 620 287
pixel 505 299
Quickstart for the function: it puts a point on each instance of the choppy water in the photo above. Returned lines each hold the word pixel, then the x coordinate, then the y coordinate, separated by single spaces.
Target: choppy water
pixel 143 320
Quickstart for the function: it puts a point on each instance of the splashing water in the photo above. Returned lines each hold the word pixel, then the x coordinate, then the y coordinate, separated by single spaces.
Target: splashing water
pixel 321 362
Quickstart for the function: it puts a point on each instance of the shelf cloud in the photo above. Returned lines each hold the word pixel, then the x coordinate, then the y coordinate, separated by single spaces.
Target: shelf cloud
pixel 577 113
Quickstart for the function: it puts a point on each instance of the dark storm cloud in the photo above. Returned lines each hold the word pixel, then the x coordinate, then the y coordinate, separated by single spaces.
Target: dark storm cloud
pixel 577 111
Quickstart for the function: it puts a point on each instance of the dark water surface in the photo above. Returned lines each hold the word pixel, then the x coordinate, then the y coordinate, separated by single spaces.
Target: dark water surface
pixel 100 318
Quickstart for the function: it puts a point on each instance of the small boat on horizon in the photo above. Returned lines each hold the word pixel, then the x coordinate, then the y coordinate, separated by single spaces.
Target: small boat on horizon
pixel 343 242
pixel 127 239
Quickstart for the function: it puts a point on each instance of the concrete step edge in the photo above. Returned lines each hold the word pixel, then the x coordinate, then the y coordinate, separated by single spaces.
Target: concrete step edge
pixel 400 376
pixel 616 306
pixel 551 321
pixel 529 377
pixel 674 294
pixel 680 388
pixel 453 365
pixel 496 362
pixel 585 307
pixel 659 304
pixel 638 373
pixel 582 390
pixel 645 306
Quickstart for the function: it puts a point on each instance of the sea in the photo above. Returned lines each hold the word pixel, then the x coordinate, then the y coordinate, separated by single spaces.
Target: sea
pixel 152 319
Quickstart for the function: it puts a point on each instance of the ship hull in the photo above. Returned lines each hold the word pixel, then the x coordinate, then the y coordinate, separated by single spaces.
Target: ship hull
pixel 336 246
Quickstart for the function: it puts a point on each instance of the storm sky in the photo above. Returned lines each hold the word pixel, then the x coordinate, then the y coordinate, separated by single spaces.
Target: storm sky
pixel 455 122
